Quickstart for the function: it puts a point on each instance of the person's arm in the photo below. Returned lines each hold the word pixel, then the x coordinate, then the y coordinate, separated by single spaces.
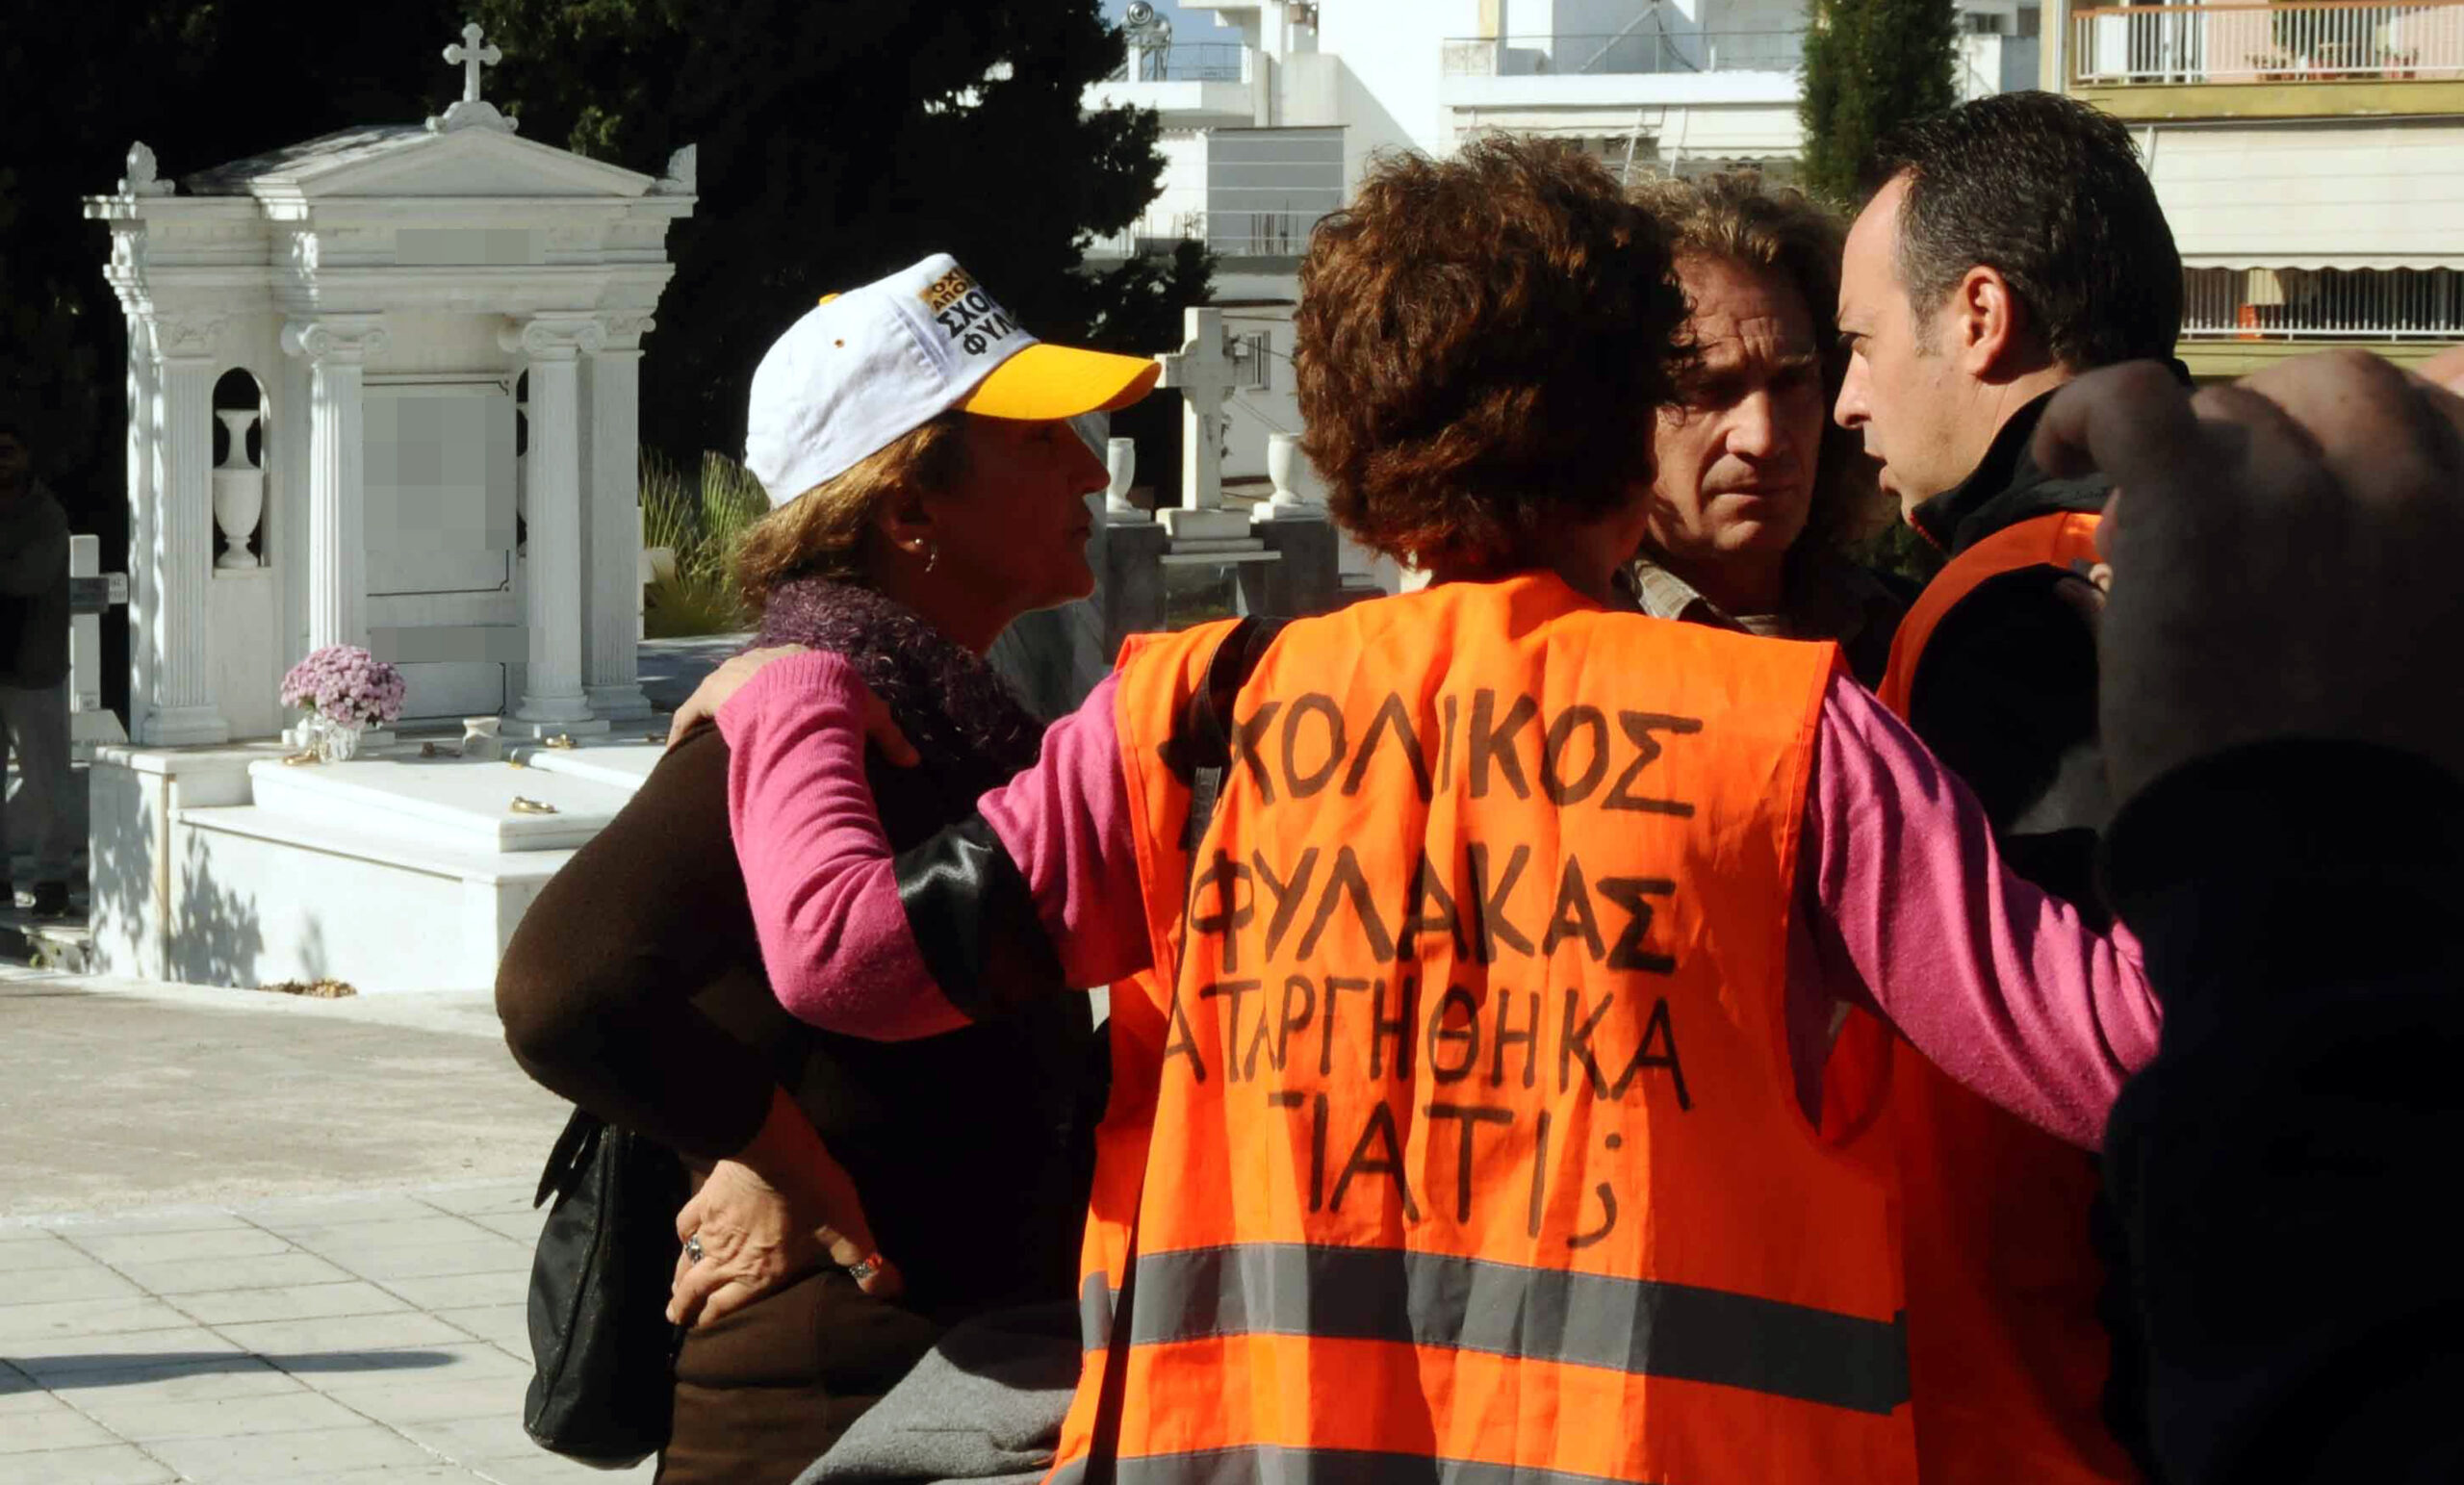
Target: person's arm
pixel 595 988
pixel 890 946
pixel 596 996
pixel 2007 990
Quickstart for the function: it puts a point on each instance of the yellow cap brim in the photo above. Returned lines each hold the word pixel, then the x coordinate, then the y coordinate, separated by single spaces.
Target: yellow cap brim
pixel 1044 382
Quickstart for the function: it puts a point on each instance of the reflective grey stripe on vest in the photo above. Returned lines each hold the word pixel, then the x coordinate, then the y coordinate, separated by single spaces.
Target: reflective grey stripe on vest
pixel 1632 1325
pixel 1268 1464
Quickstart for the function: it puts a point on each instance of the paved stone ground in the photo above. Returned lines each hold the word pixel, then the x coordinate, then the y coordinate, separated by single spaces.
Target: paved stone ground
pixel 373 1337
pixel 249 1239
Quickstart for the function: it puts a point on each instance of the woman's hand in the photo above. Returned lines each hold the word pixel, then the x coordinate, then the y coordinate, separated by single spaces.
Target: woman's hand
pixel 717 688
pixel 767 1218
pixel 701 708
pixel 749 1243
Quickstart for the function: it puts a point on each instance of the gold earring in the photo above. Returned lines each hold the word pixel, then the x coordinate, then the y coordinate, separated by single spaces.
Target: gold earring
pixel 932 556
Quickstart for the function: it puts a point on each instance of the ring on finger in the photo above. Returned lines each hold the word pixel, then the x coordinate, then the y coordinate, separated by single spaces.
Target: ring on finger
pixel 693 1249
pixel 865 1266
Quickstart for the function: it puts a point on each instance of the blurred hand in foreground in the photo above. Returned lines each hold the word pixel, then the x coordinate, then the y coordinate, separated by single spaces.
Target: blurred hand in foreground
pixel 2287 554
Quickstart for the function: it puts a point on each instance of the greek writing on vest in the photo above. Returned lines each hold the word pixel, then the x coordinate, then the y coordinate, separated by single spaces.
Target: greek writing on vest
pixel 1462 1140
pixel 2007 1352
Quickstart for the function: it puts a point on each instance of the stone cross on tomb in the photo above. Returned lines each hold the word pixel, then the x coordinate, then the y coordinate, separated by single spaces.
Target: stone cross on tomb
pixel 91 593
pixel 472 57
pixel 472 111
pixel 1203 373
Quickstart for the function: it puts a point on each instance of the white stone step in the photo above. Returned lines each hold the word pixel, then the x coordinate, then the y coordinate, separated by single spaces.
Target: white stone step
pixel 266 895
pixel 463 805
pixel 341 838
pixel 618 765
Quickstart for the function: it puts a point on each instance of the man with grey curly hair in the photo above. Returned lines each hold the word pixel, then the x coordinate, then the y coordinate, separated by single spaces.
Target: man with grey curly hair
pixel 1756 494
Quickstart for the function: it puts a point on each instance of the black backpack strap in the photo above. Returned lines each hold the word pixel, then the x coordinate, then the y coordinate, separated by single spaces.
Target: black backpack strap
pixel 1203 737
pixel 1205 732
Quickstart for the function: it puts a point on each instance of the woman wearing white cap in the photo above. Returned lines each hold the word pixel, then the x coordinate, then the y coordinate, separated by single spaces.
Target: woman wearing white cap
pixel 928 490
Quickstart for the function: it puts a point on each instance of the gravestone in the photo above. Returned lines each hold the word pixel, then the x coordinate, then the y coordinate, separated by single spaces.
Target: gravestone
pixel 1281 557
pixel 91 593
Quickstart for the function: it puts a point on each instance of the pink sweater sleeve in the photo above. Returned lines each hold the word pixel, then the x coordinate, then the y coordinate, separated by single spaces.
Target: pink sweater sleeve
pixel 2004 987
pixel 1065 823
pixel 820 873
pixel 818 867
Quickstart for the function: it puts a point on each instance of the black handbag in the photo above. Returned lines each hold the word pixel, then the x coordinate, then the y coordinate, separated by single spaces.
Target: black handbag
pixel 603 1390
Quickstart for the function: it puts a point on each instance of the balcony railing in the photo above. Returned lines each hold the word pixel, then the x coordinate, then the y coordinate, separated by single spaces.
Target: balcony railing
pixel 2296 304
pixel 1258 233
pixel 1232 234
pixel 1187 61
pixel 2323 41
pixel 1635 53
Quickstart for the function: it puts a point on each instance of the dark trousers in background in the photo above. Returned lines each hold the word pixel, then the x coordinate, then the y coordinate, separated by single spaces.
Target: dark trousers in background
pixel 36 726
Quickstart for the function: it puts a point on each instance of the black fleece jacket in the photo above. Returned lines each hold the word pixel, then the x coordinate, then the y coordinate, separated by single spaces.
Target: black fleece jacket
pixel 2282 1165
pixel 2006 692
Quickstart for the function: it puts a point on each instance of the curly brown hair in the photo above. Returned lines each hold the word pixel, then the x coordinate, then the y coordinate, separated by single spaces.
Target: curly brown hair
pixel 828 530
pixel 1736 216
pixel 1480 348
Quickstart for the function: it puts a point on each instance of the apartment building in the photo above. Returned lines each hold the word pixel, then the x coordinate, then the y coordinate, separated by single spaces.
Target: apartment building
pixel 2310 156
pixel 1273 112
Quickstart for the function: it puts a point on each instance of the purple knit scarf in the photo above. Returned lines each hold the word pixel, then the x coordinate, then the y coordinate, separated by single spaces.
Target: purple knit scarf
pixel 971 729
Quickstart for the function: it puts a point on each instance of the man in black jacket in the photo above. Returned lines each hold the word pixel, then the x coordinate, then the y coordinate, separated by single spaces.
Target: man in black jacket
pixel 2013 245
pixel 2284 727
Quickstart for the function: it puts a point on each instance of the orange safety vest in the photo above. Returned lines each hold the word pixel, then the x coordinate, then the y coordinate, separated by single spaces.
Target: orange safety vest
pixel 2006 1354
pixel 2056 539
pixel 1462 1138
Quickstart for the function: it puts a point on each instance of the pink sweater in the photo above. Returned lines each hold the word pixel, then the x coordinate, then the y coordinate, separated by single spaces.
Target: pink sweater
pixel 1905 907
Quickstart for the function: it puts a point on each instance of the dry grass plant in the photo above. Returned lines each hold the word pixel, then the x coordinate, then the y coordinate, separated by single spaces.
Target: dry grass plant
pixel 700 520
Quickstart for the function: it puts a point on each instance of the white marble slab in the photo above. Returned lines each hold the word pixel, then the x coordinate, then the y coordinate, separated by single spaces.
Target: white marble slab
pixel 458 803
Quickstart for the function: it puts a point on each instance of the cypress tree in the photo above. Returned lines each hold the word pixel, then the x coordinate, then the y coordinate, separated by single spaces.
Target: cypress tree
pixel 1870 65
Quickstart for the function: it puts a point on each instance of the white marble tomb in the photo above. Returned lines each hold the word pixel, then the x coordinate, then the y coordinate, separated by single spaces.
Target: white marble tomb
pixel 408 303
pixel 387 288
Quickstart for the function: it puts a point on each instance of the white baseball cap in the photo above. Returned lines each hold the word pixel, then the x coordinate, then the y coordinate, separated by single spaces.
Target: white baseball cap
pixel 868 367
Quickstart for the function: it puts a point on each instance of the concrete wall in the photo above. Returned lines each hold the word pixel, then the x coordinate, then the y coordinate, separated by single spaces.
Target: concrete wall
pixel 1390 54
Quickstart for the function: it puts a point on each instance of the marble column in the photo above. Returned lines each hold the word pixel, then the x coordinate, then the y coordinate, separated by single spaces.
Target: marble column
pixel 178 562
pixel 337 349
pixel 552 699
pixel 611 499
pixel 143 596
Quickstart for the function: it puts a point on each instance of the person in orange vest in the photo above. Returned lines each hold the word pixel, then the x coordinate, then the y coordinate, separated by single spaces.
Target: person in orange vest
pixel 2014 244
pixel 1475 952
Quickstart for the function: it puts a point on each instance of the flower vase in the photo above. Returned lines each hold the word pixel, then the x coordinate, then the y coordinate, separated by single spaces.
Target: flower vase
pixel 332 741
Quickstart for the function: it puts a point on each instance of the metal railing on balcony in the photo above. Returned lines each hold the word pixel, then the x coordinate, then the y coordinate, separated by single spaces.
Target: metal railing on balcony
pixel 1233 234
pixel 2296 304
pixel 1186 62
pixel 1259 233
pixel 1638 52
pixel 2324 40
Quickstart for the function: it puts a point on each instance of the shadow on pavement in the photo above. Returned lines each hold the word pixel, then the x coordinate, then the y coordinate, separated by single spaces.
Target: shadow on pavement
pixel 126 1371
